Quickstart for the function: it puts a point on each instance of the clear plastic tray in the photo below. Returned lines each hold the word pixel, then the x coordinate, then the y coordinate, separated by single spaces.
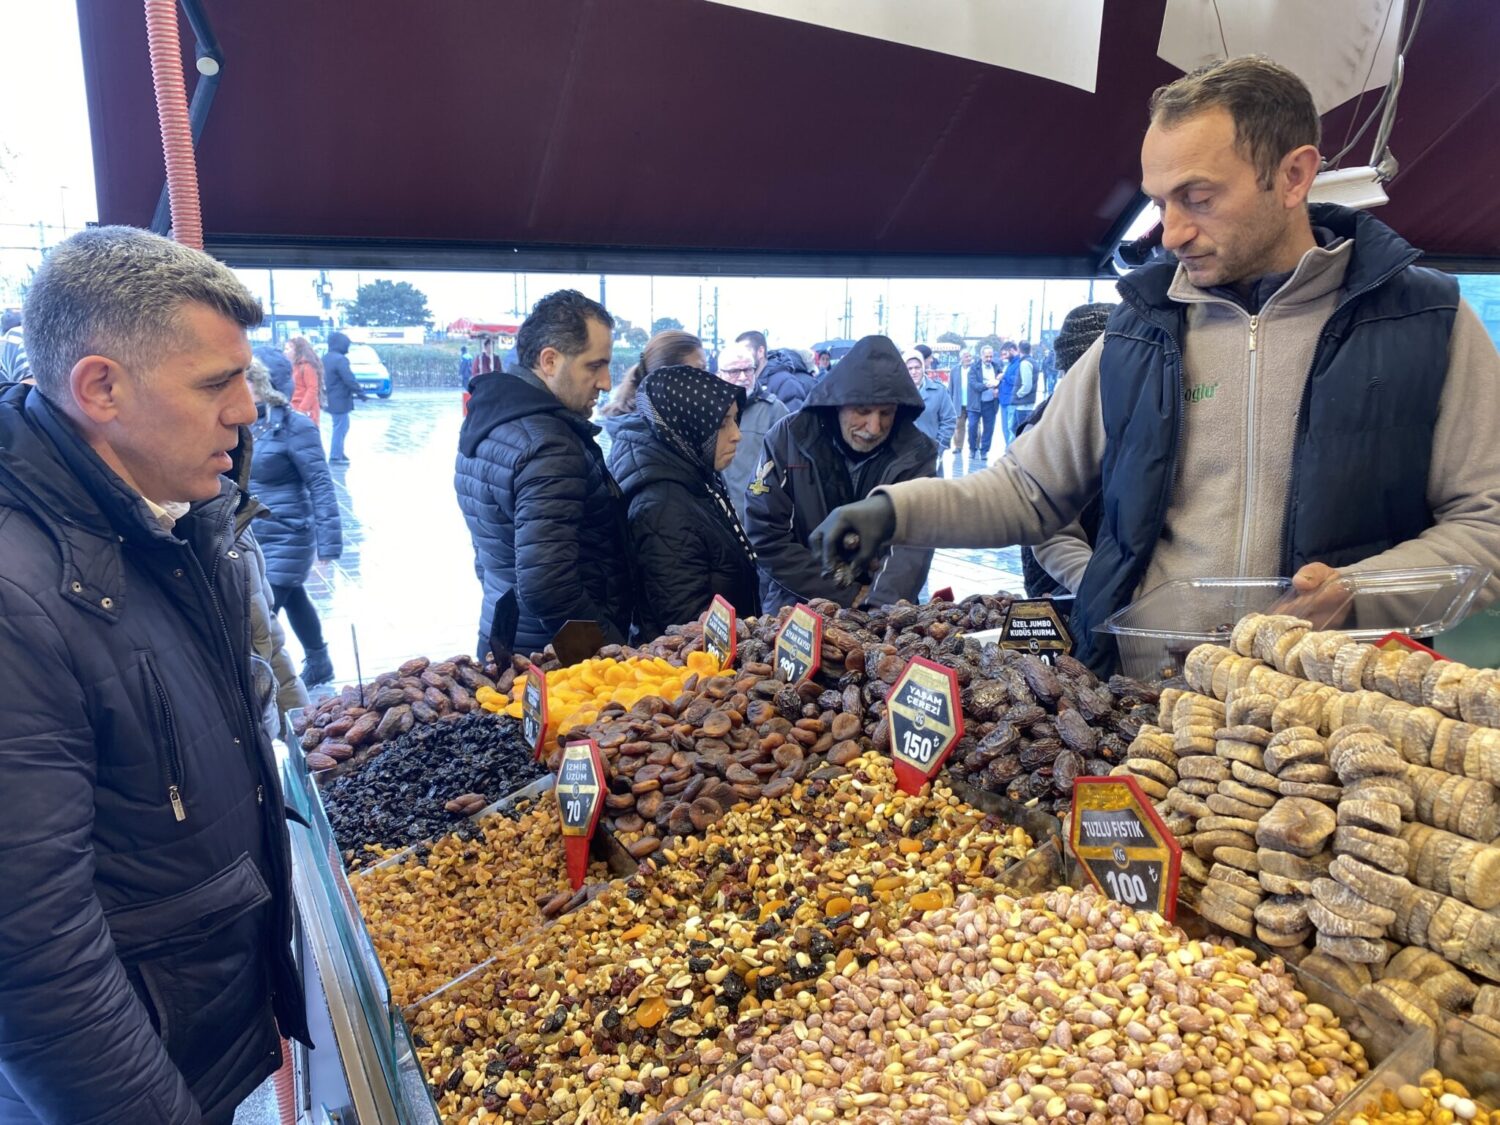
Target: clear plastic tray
pixel 1157 631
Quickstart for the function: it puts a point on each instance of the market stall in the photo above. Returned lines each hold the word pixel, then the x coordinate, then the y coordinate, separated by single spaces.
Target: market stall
pixel 786 915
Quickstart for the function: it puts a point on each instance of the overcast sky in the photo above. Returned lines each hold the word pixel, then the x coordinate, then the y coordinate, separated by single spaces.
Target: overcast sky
pixel 47 176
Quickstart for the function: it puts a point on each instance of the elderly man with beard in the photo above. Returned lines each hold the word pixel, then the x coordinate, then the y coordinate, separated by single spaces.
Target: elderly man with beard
pixel 856 432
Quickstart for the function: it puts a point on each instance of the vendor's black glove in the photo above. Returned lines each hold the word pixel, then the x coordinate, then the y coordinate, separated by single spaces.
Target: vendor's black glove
pixel 872 522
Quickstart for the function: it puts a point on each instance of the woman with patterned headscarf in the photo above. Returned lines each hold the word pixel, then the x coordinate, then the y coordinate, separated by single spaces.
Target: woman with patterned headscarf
pixel 687 540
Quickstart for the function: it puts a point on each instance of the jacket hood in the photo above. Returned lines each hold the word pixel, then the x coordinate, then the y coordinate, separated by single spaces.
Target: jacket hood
pixel 277 364
pixel 639 457
pixel 785 359
pixel 1378 250
pixel 501 397
pixel 338 342
pixel 872 373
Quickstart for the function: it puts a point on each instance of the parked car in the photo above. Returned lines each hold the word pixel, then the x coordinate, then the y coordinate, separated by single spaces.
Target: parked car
pixel 373 377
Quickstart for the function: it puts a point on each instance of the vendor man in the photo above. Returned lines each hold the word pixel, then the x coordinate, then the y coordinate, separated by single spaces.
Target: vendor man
pixel 1292 396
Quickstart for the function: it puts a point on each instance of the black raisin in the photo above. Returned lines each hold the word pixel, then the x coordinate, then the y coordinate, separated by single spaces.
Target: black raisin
pixel 699 964
pixel 767 929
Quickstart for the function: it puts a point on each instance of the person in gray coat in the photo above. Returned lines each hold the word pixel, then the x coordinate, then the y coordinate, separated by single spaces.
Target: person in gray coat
pixel 762 411
pixel 939 419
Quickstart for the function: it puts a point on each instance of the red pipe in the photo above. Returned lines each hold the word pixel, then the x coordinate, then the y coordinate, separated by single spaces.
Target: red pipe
pixel 286 1097
pixel 172 114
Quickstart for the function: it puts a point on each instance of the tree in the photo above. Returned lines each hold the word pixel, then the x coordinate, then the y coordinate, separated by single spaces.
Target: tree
pixel 388 304
pixel 951 338
pixel 666 324
pixel 636 337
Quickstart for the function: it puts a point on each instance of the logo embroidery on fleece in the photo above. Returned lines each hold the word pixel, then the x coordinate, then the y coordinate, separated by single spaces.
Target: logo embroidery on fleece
pixel 759 486
pixel 1199 392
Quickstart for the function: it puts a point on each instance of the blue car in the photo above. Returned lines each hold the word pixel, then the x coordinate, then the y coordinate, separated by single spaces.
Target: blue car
pixel 372 374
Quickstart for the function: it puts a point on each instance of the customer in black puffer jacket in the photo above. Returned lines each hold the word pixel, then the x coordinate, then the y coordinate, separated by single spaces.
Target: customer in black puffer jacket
pixel 688 544
pixel 546 518
pixel 788 377
pixel 341 388
pixel 290 477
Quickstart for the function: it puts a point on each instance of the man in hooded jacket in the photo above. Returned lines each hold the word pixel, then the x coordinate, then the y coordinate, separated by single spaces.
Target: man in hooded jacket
pixel 342 388
pixel 856 431
pixel 787 376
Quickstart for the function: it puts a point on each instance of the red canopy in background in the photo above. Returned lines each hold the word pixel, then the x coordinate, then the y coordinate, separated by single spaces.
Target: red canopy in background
pixel 684 136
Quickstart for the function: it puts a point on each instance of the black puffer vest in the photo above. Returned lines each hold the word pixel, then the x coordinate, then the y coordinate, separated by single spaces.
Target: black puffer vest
pixel 1364 429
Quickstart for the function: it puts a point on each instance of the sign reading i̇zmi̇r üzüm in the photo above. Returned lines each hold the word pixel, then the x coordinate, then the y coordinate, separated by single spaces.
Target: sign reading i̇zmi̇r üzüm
pixel 925 721
pixel 718 631
pixel 580 798
pixel 799 646
pixel 1123 844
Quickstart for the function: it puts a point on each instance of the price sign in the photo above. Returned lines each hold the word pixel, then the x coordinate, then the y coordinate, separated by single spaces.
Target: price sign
pixel 534 711
pixel 943 595
pixel 1123 844
pixel 718 631
pixel 580 799
pixel 799 646
pixel 1393 641
pixel 1036 627
pixel 925 721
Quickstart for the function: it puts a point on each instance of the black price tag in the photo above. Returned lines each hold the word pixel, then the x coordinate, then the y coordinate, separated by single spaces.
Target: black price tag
pixel 799 646
pixel 718 631
pixel 534 711
pixel 1123 844
pixel 926 721
pixel 1036 627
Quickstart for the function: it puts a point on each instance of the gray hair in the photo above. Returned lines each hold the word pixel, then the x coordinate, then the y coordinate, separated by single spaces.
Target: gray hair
pixel 261 385
pixel 116 292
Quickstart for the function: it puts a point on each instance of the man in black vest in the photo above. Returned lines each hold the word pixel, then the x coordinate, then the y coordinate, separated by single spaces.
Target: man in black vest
pixel 1292 395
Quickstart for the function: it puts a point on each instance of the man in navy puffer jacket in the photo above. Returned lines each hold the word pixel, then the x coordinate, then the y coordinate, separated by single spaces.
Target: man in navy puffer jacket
pixel 145 888
pixel 547 519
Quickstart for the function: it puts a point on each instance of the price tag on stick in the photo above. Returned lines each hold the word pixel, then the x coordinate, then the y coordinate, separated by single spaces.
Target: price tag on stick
pixel 718 631
pixel 580 799
pixel 1123 844
pixel 925 719
pixel 799 646
pixel 534 712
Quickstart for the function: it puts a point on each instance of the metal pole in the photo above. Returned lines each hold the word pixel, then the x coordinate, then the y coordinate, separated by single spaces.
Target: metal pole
pixel 602 301
pixel 271 282
pixel 716 318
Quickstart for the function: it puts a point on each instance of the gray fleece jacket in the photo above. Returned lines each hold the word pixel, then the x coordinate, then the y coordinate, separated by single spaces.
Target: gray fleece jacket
pixel 1244 379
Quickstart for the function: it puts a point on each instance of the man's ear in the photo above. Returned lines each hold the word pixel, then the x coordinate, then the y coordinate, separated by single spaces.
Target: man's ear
pixel 1298 168
pixel 96 383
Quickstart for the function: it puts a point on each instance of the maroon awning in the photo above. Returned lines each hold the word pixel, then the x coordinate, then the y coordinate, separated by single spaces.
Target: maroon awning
pixel 689 136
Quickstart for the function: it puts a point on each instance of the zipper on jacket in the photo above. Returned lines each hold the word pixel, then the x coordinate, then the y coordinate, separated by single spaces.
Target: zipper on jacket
pixel 1301 420
pixel 173 751
pixel 1244 554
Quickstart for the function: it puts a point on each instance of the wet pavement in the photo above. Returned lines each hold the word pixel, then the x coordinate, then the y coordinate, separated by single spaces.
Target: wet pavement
pixel 406 579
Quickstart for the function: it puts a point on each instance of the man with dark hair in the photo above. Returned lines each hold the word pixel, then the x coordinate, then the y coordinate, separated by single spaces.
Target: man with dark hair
pixel 465 367
pixel 340 389
pixel 1292 396
pixel 857 430
pixel 756 341
pixel 546 517
pixel 1024 375
pixel 145 872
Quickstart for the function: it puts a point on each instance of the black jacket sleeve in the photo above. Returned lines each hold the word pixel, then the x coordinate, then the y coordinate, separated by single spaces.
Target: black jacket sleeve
pixel 672 565
pixel 551 494
pixel 76 1043
pixel 306 447
pixel 769 516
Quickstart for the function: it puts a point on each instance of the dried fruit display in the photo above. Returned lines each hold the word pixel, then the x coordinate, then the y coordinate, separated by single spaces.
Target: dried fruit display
pixel 1430 1099
pixel 579 693
pixel 404 794
pixel 1005 1010
pixel 626 1004
pixel 451 904
pixel 358 721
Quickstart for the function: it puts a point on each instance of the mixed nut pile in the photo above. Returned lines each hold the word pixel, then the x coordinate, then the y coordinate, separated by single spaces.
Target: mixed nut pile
pixel 1056 1007
pixel 629 1002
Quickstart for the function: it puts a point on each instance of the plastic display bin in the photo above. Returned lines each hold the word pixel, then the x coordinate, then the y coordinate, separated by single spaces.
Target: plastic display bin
pixel 1157 631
